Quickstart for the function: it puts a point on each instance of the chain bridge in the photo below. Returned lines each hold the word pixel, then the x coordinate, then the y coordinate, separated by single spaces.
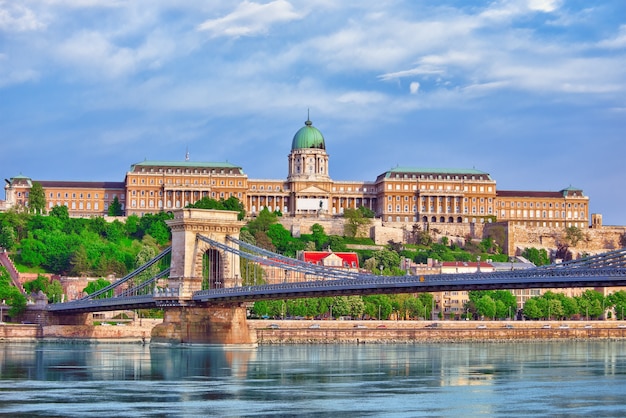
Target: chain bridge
pixel 206 277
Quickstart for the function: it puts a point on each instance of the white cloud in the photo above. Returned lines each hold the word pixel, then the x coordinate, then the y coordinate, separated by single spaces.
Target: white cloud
pixel 619 41
pixel 361 97
pixel 15 17
pixel 414 87
pixel 546 6
pixel 250 18
pixel 420 70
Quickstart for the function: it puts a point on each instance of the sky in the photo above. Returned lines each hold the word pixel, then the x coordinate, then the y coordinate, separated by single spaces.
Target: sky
pixel 532 92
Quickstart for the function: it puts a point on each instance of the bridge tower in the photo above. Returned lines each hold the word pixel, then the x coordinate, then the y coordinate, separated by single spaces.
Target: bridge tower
pixel 188 253
pixel 187 321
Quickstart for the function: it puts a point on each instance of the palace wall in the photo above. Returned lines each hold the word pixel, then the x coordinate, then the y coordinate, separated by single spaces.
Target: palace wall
pixel 517 237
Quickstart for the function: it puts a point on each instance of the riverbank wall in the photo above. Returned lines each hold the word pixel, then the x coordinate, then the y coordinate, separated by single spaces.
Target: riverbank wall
pixel 407 332
pixel 131 332
pixel 340 332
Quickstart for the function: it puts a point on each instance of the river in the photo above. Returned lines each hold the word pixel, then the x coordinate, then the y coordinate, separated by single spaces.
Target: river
pixel 573 378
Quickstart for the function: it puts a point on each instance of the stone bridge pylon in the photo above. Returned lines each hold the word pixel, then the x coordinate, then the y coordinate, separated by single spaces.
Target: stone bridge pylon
pixel 196 265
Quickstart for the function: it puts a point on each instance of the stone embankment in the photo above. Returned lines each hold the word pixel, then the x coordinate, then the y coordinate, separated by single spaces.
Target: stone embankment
pixel 131 332
pixel 341 332
pixel 382 332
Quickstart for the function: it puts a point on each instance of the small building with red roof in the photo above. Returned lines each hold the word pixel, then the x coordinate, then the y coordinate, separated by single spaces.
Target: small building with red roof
pixel 347 260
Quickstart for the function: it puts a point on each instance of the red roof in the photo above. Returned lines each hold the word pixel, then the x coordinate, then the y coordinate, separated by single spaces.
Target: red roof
pixel 465 264
pixel 350 260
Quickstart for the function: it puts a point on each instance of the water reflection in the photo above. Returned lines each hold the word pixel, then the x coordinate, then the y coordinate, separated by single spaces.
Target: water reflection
pixel 408 380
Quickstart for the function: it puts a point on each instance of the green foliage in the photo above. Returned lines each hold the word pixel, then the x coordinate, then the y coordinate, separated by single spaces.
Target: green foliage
pixel 352 306
pixel 63 245
pixel 262 222
pixel 232 203
pixel 51 288
pixel 318 236
pixel 280 238
pixel 574 235
pixel 537 257
pixel 366 212
pixel 486 306
pixel 421 237
pixel 37 285
pixel 97 285
pixel 7 237
pixel 10 294
pixel 115 208
pixel 504 303
pixel 590 304
pixel 377 306
pixel 386 259
pixel 618 301
pixel 60 212
pixel 37 199
pixel 356 221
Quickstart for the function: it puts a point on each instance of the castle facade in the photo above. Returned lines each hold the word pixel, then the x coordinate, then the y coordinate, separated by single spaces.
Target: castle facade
pixel 400 197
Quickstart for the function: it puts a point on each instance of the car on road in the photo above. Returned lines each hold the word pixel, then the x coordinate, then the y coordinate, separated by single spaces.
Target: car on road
pixel 588 326
pixel 621 326
pixel 509 326
pixel 546 326
pixel 563 326
pixel 273 326
pixel 314 326
pixel 360 326
pixel 433 325
pixel 382 326
pixel 481 326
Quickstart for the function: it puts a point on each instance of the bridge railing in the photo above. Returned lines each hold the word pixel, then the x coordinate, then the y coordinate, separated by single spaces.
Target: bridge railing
pixel 615 259
pixel 272 259
pixel 108 290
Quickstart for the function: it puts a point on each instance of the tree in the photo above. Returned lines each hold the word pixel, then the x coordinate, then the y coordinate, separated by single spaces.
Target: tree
pixel 355 222
pixel 115 208
pixel 389 260
pixel 60 212
pixel 262 222
pixel 318 236
pixel 574 235
pixel 535 256
pixel 532 309
pixel 421 237
pixel 352 306
pixel 80 262
pixel 377 306
pixel 37 199
pixel 590 303
pixel 7 237
pixel 10 294
pixel 55 291
pixel 280 237
pixel 94 286
pixel 366 212
pixel 51 288
pixel 486 307
pixel 234 204
pixel 618 301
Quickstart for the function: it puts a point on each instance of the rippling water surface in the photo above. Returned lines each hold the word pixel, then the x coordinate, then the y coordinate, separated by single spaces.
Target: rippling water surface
pixel 521 379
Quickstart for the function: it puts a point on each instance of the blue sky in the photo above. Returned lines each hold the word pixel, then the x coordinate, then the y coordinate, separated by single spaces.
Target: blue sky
pixel 531 91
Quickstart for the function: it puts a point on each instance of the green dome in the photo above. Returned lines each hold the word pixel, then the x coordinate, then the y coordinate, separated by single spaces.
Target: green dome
pixel 308 137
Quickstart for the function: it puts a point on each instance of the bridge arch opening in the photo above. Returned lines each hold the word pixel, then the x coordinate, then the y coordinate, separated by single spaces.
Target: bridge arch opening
pixel 212 269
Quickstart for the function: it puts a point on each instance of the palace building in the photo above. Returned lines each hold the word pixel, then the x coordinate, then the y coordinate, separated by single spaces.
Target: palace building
pixel 401 196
